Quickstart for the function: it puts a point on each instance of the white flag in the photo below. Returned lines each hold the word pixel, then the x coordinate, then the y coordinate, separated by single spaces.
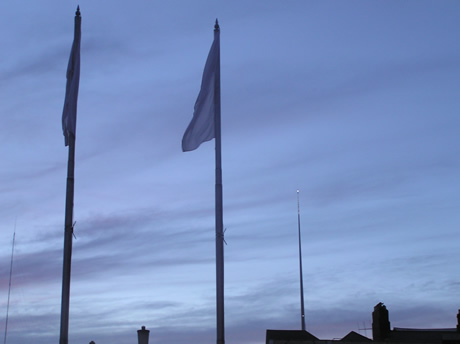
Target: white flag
pixel 201 128
pixel 69 114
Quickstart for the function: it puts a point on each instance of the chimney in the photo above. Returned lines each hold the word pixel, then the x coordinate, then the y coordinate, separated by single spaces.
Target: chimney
pixel 143 336
pixel 380 322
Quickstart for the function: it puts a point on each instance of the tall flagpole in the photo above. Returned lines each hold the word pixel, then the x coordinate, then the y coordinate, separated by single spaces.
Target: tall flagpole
pixel 204 126
pixel 68 234
pixel 302 310
pixel 219 204
pixel 68 229
pixel 9 285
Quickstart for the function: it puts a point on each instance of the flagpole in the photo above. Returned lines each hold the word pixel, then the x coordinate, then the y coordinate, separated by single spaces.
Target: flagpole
pixel 9 285
pixel 302 310
pixel 68 234
pixel 219 205
pixel 68 223
pixel 204 126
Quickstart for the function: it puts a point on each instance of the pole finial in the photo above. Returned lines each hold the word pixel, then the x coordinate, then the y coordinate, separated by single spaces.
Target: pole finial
pixel 216 26
pixel 77 14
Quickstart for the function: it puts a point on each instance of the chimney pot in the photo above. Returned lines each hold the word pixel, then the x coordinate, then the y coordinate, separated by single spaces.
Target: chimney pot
pixel 143 336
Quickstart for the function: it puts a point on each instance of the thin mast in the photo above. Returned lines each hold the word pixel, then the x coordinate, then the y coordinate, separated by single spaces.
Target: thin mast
pixel 68 234
pixel 302 309
pixel 219 204
pixel 9 285
pixel 68 223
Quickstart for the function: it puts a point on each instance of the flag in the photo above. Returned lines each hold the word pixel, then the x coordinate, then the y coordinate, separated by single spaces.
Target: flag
pixel 69 114
pixel 202 126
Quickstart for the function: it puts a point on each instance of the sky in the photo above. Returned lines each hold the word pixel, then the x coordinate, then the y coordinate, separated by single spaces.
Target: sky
pixel 354 103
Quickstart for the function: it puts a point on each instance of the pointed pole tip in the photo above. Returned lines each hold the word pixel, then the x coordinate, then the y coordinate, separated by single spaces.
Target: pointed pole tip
pixel 216 26
pixel 78 11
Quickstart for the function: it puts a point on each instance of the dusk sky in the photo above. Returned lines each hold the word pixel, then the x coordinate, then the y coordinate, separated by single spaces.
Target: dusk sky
pixel 355 103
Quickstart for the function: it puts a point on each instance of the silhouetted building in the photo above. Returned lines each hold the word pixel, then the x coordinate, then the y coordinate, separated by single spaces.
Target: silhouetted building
pixel 381 333
pixel 288 336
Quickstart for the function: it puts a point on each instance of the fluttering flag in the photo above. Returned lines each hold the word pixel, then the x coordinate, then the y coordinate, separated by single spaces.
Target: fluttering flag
pixel 202 126
pixel 69 114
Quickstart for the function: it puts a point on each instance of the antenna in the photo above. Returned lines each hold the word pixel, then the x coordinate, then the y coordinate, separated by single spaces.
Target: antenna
pixel 302 310
pixel 364 328
pixel 9 285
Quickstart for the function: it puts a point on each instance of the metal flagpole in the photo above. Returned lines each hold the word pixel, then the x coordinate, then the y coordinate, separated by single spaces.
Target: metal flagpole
pixel 219 203
pixel 302 310
pixel 200 129
pixel 68 229
pixel 68 234
pixel 9 285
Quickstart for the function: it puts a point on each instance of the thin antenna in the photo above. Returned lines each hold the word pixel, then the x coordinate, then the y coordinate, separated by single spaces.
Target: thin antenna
pixel 364 328
pixel 302 309
pixel 9 285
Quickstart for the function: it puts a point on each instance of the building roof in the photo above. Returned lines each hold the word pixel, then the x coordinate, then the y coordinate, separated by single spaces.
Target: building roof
pixel 355 337
pixel 381 333
pixel 288 335
pixel 408 335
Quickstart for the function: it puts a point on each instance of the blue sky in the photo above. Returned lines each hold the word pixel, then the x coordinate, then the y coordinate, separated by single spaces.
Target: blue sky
pixel 355 103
